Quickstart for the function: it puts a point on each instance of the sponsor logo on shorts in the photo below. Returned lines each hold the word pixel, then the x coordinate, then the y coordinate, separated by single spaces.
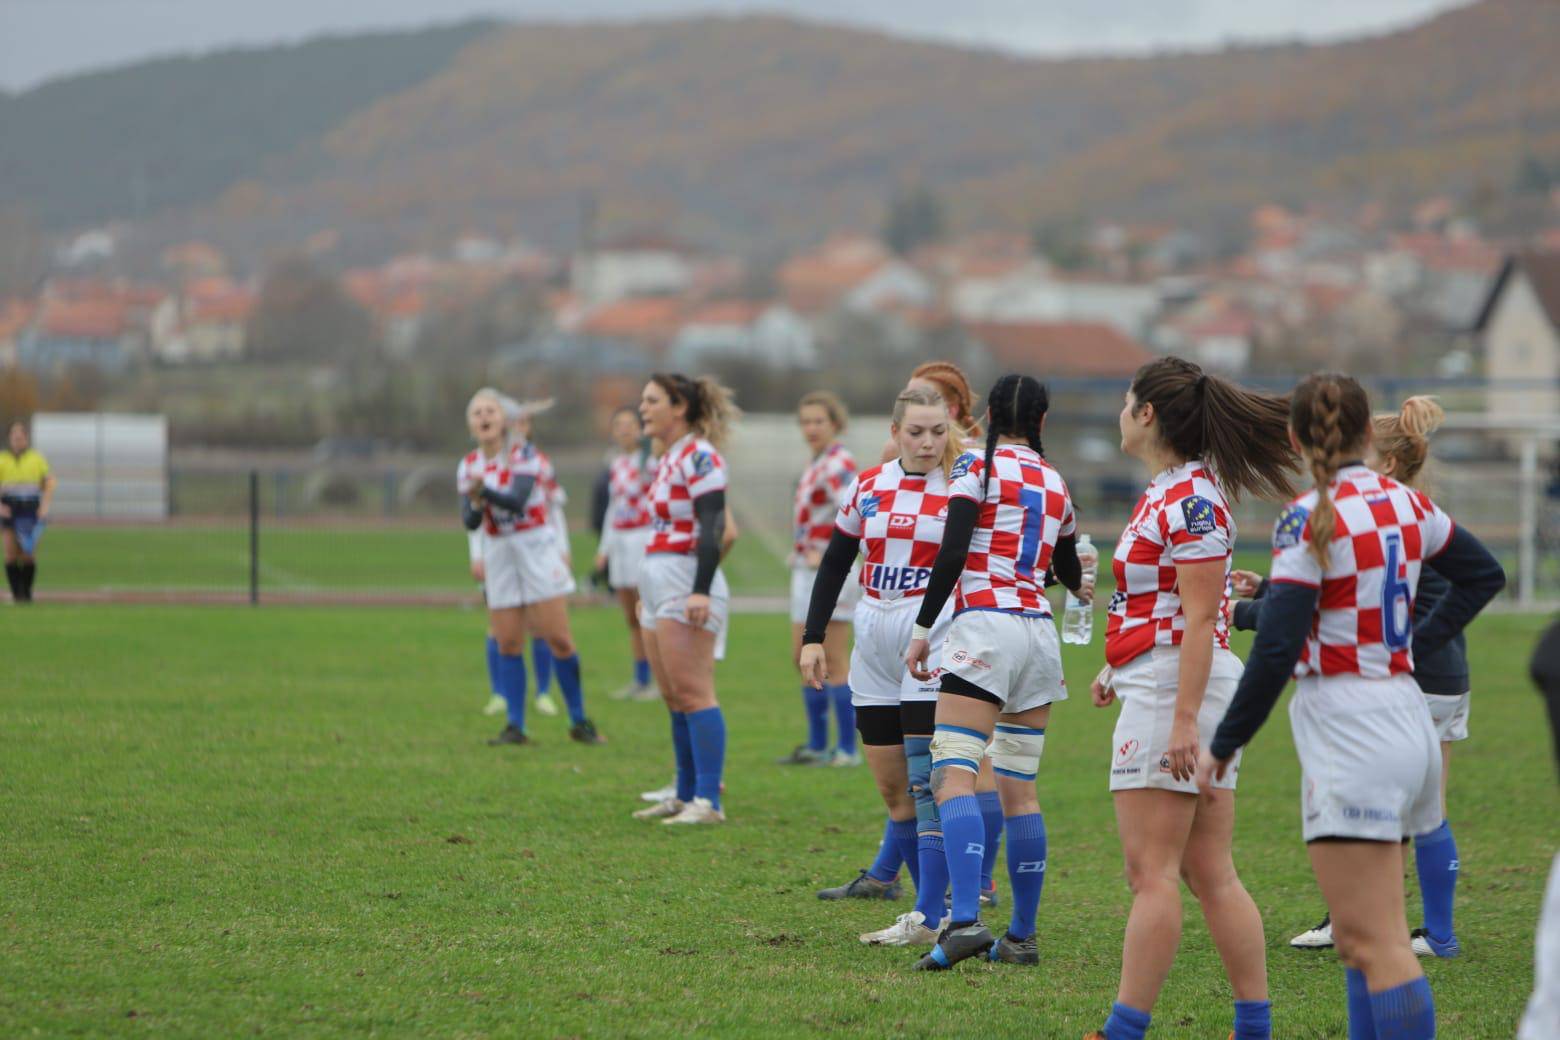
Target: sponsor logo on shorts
pixel 1164 763
pixel 1134 771
pixel 1370 812
pixel 964 657
pixel 1127 752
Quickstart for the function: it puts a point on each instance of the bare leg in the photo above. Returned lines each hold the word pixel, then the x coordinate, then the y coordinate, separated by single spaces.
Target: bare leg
pixel 1362 882
pixel 1154 826
pixel 1234 922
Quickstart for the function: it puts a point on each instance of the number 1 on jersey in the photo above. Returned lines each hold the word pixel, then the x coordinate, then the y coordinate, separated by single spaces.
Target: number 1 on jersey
pixel 1033 501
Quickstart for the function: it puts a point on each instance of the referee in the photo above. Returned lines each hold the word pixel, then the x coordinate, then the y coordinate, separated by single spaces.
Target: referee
pixel 26 488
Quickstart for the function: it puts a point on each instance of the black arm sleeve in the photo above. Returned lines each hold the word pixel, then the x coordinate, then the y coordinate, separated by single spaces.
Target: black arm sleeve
pixel 1248 612
pixel 833 569
pixel 710 510
pixel 470 515
pixel 962 514
pixel 1281 633
pixel 1475 577
pixel 600 500
pixel 515 498
pixel 1064 560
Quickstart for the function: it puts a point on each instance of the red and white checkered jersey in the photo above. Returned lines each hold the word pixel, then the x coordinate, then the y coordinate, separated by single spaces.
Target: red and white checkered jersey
pixel 628 491
pixel 818 496
pixel 498 473
pixel 1183 517
pixel 899 518
pixel 1384 532
pixel 1024 509
pixel 547 476
pixel 690 469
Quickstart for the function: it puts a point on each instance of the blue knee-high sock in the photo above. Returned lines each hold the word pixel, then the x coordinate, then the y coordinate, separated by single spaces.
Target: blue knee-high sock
pixel 964 839
pixel 1435 857
pixel 933 886
pixel 1026 871
pixel 991 815
pixel 492 662
pixel 904 839
pixel 1253 1020
pixel 641 672
pixel 1362 1022
pixel 1126 1023
pixel 568 669
pixel 844 717
pixel 682 744
pixel 817 704
pixel 542 659
pixel 511 686
pixel 707 728
pixel 1405 1012
pixel 886 866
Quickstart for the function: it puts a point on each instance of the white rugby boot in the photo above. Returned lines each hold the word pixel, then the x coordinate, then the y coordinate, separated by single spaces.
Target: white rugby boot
pixel 907 930
pixel 700 810
pixel 664 809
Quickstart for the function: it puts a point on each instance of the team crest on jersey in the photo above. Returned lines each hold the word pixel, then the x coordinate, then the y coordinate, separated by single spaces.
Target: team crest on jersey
pixel 1199 515
pixel 869 507
pixel 1290 527
pixel 962 465
pixel 703 462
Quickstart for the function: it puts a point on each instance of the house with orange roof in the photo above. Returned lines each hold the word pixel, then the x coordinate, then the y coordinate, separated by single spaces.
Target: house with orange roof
pixel 1039 293
pixel 852 273
pixel 632 266
pixel 649 322
pixel 204 322
pixel 89 321
pixel 747 330
pixel 15 315
pixel 1046 349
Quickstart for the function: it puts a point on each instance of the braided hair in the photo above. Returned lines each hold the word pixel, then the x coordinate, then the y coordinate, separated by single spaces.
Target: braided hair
pixel 1015 407
pixel 1330 416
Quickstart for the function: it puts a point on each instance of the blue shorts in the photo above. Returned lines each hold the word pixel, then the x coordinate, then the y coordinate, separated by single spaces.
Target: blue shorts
pixel 28 530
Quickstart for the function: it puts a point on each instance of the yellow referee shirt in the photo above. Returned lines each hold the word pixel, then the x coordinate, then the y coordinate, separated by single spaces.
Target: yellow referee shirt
pixel 22 476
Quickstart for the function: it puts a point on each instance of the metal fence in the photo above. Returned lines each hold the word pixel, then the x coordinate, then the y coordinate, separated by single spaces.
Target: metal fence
pixel 246 528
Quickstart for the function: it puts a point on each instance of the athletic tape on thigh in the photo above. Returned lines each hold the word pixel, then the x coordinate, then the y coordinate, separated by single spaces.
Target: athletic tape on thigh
pixel 957 747
pixel 918 761
pixel 1015 751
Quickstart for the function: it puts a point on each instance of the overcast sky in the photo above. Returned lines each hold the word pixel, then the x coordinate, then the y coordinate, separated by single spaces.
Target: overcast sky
pixel 44 39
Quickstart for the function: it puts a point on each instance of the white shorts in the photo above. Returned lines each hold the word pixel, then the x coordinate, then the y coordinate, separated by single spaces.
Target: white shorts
pixel 878 676
pixel 1014 658
pixel 626 555
pixel 1146 686
pixel 1370 764
pixel 802 578
pixel 666 581
pixel 1449 712
pixel 523 568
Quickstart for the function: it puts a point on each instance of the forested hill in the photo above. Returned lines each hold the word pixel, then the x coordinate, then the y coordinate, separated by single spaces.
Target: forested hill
pixel 770 131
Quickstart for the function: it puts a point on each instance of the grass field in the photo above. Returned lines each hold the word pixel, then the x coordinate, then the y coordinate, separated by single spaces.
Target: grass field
pixel 224 822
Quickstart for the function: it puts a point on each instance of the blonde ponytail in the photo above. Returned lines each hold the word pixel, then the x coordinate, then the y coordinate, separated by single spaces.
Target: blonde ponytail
pixel 1405 437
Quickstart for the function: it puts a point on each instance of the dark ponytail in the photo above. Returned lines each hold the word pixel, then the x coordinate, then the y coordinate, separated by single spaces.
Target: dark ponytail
pixel 1016 406
pixel 1242 435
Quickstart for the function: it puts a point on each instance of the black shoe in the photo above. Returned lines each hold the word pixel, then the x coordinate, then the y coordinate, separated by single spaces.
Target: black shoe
pixel 1009 950
pixel 865 886
pixel 511 735
pixel 804 756
pixel 584 731
pixel 957 944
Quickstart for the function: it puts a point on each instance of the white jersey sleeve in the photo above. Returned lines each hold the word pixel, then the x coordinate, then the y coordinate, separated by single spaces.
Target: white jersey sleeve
pixel 1436 528
pixel 965 480
pixel 1197 529
pixel 848 519
pixel 703 473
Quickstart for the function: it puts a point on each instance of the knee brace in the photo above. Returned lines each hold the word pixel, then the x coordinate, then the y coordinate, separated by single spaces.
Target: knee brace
pixel 955 747
pixel 918 759
pixel 1015 751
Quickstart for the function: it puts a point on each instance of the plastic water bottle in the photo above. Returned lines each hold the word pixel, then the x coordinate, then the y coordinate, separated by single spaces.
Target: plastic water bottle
pixel 1078 616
